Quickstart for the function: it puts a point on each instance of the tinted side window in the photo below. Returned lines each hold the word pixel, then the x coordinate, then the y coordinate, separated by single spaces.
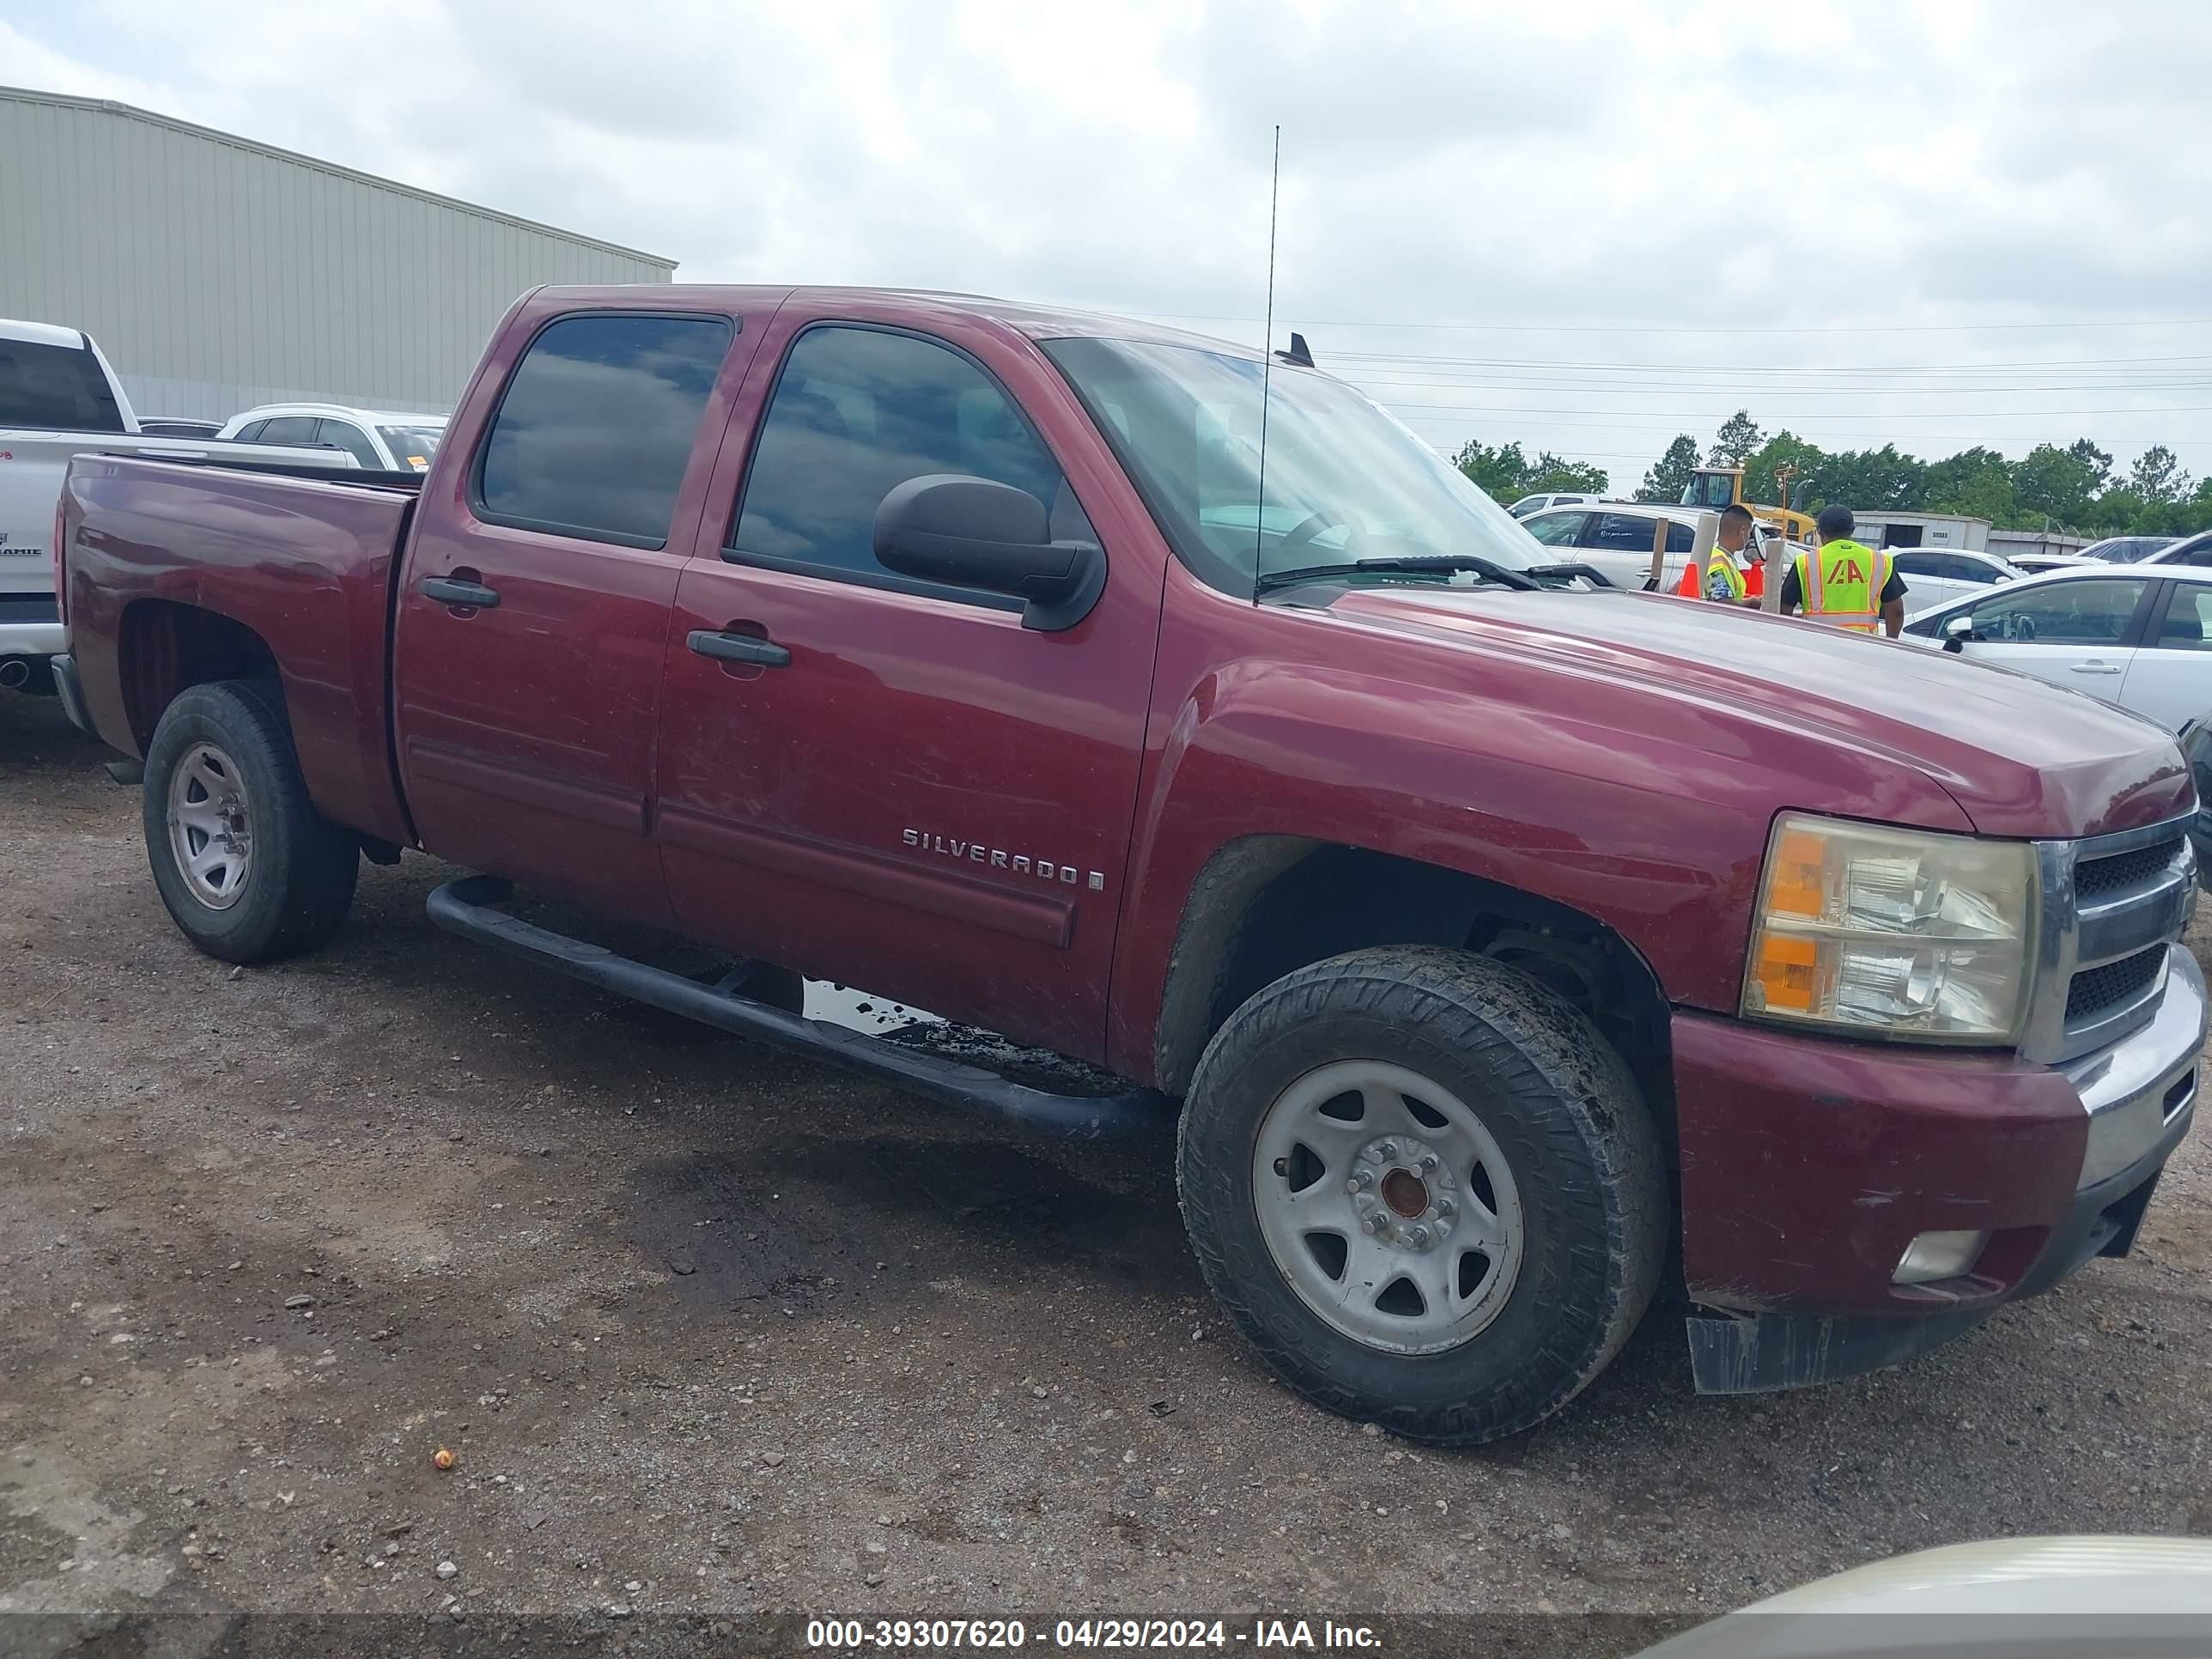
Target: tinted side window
pixel 1557 529
pixel 251 432
pixel 2187 625
pixel 56 386
pixel 287 429
pixel 1963 570
pixel 1623 532
pixel 596 425
pixel 857 411
pixel 2062 613
pixel 1680 539
pixel 1919 564
pixel 2199 556
pixel 352 440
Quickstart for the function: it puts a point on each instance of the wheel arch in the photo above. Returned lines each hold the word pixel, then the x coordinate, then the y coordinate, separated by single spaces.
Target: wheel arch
pixel 165 647
pixel 1266 905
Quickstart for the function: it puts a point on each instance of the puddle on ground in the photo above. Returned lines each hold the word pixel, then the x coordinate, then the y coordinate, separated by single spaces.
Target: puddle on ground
pixel 804 1226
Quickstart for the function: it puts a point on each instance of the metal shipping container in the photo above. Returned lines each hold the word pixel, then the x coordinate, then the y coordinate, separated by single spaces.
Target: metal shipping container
pixel 217 273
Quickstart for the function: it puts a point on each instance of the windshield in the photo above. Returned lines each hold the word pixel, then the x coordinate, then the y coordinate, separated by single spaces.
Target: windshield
pixel 413 445
pixel 1345 481
pixel 1713 489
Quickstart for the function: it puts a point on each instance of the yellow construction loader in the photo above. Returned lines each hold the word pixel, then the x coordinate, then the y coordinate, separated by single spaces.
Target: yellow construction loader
pixel 1713 488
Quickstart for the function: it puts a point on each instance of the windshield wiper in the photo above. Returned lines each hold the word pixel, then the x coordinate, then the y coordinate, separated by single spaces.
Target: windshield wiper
pixel 1590 572
pixel 1429 564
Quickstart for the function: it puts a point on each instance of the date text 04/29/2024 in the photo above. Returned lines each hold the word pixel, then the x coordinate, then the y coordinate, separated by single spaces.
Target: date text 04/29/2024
pixel 1264 1634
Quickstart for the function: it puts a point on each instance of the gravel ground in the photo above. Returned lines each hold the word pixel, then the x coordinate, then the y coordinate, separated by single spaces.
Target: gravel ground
pixel 711 1328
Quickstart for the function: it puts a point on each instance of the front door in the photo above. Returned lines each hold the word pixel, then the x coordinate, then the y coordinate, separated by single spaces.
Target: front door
pixel 534 609
pixel 895 783
pixel 2077 634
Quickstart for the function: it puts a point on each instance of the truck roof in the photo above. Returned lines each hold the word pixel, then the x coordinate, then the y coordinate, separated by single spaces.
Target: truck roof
pixel 923 305
pixel 40 333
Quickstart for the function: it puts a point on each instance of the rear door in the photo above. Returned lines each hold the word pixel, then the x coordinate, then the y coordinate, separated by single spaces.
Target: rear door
pixel 344 435
pixel 1622 543
pixel 534 607
pixel 1931 578
pixel 906 790
pixel 2079 633
pixel 2169 679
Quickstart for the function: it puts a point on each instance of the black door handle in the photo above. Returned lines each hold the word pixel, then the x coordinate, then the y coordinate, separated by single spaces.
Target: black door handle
pixel 445 590
pixel 739 648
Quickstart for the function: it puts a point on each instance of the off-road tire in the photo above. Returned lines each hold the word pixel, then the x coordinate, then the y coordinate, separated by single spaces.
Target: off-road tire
pixel 1564 1110
pixel 302 881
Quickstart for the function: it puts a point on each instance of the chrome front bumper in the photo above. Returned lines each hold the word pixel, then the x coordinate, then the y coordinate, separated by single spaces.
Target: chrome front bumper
pixel 2137 1091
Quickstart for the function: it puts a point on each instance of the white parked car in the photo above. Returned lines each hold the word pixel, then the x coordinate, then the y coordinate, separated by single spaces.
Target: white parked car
pixel 379 439
pixel 1937 576
pixel 1615 537
pixel 1528 504
pixel 2139 635
pixel 2039 564
pixel 2184 549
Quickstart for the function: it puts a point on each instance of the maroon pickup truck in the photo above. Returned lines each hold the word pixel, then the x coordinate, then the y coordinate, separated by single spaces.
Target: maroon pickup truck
pixel 1498 941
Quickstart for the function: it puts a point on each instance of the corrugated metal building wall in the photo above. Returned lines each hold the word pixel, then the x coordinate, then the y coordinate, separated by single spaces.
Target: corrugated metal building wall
pixel 217 273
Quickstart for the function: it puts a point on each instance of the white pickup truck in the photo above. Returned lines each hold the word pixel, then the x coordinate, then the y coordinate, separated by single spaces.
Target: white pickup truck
pixel 58 397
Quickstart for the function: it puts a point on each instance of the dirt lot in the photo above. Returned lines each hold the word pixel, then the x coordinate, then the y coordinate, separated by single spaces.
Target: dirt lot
pixel 713 1328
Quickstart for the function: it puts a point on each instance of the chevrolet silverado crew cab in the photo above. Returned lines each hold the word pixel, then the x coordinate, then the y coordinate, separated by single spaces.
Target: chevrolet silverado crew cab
pixel 1495 940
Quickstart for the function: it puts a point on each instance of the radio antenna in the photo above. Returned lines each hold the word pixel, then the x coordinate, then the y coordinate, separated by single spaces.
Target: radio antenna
pixel 1266 361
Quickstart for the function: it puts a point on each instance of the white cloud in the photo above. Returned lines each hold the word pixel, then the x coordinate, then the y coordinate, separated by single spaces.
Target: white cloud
pixel 1863 164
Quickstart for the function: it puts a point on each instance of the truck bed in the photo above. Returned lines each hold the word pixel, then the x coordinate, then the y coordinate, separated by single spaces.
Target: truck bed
pixel 303 563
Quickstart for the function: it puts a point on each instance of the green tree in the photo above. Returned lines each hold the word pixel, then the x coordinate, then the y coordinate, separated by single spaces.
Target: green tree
pixel 1670 474
pixel 1739 435
pixel 1871 479
pixel 1977 481
pixel 2099 461
pixel 1758 467
pixel 1549 472
pixel 2054 483
pixel 2157 477
pixel 1503 471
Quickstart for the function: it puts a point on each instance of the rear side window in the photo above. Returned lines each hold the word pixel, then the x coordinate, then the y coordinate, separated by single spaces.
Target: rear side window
pixel 344 435
pixel 1559 529
pixel 1624 532
pixel 56 386
pixel 857 411
pixel 596 426
pixel 1679 538
pixel 288 429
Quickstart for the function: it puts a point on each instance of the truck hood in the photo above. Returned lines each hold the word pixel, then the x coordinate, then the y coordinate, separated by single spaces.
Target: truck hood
pixel 2020 757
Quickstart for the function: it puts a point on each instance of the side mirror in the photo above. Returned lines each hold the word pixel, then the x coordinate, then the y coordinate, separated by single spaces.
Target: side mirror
pixel 1957 630
pixel 972 533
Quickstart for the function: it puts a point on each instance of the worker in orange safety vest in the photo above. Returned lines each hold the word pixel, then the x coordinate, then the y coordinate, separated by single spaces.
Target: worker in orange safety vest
pixel 1722 578
pixel 1840 582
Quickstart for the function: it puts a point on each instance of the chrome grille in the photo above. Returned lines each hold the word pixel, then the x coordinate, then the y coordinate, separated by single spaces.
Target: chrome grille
pixel 2112 907
pixel 2094 990
pixel 2094 878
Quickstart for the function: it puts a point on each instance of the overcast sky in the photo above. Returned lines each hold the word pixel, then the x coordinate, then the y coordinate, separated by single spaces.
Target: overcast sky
pixel 2002 204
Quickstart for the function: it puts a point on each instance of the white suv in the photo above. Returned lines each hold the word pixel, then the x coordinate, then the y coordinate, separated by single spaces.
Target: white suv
pixel 381 439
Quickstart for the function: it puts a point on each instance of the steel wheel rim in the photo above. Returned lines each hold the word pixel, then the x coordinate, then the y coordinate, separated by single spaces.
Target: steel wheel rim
pixel 1413 1189
pixel 210 831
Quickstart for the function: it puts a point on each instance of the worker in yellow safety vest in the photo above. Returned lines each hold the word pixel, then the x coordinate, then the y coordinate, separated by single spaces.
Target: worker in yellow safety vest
pixel 1842 583
pixel 1722 578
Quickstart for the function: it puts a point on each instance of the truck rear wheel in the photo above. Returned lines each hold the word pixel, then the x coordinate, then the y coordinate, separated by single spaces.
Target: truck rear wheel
pixel 1426 1188
pixel 249 870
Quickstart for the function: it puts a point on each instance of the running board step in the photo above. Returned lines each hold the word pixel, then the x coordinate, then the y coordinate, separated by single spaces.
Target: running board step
pixel 468 907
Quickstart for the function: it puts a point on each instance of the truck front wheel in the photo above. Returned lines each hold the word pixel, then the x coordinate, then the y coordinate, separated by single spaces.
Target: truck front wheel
pixel 249 870
pixel 1426 1188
